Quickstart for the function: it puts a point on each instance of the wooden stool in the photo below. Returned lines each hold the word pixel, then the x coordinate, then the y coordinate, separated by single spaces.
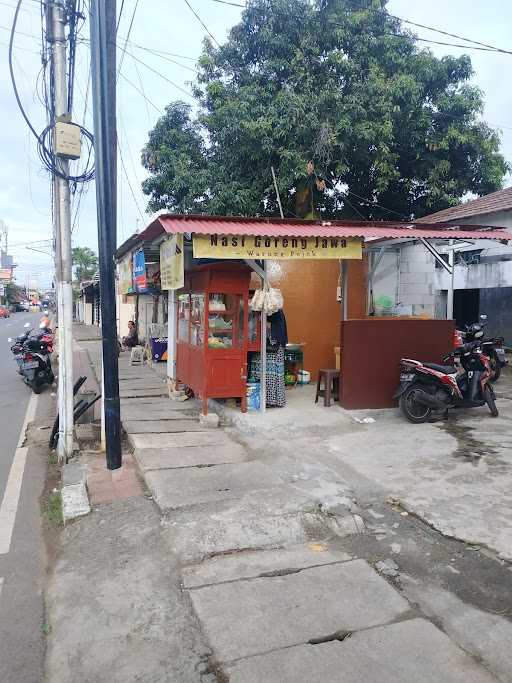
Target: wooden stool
pixel 137 356
pixel 331 380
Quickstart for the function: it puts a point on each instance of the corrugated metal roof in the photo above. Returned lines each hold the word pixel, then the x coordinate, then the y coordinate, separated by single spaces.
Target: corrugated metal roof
pixel 277 227
pixel 490 203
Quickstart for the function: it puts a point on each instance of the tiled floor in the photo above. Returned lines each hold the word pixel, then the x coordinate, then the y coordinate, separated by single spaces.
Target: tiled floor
pixel 106 486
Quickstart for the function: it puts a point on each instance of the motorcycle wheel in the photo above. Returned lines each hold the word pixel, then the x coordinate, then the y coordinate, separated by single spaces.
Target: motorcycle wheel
pixel 35 386
pixel 415 412
pixel 495 367
pixel 489 399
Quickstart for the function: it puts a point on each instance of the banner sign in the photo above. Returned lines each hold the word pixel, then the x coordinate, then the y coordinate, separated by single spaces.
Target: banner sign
pixel 256 247
pixel 171 263
pixel 125 273
pixel 139 272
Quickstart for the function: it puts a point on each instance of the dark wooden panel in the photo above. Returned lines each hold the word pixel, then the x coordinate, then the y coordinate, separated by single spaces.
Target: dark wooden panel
pixel 371 354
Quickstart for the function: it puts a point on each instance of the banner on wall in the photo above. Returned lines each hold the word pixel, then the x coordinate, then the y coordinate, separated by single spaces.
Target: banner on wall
pixel 125 272
pixel 171 263
pixel 256 247
pixel 140 278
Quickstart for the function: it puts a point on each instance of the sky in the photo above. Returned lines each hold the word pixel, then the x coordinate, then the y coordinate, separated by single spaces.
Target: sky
pixel 170 26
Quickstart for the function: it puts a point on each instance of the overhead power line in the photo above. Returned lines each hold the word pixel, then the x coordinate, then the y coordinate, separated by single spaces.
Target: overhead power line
pixel 127 35
pixel 158 73
pixel 141 93
pixel 202 23
pixel 481 45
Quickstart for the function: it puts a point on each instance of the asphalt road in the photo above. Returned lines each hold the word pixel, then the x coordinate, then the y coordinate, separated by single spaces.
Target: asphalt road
pixel 21 548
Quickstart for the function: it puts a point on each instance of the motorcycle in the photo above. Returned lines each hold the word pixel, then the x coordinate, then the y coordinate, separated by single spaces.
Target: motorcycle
pixel 32 354
pixel 428 388
pixel 493 348
pixel 36 366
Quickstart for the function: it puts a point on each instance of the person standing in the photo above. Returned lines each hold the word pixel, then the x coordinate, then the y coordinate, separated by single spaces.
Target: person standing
pixel 277 338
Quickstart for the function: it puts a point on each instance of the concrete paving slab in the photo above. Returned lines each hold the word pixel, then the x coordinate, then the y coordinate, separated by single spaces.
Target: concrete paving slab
pixel 148 403
pixel 138 393
pixel 214 438
pixel 245 618
pixel 280 516
pixel 192 486
pixel 484 635
pixel 143 383
pixel 162 459
pixel 163 426
pixel 252 564
pixel 413 650
pixel 134 412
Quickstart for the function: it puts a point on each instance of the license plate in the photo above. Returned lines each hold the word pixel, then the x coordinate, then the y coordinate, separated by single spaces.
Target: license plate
pixel 30 365
pixel 406 376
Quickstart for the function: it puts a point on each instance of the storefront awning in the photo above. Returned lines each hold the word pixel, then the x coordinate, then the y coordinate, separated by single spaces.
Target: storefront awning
pixel 275 227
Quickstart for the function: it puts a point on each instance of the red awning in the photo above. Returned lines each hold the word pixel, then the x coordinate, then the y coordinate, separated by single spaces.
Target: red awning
pixel 284 227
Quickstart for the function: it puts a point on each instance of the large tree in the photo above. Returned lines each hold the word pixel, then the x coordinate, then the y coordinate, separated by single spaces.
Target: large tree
pixel 85 263
pixel 387 123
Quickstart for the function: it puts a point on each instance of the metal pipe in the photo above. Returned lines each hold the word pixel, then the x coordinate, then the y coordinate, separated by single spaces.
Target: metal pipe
pixel 449 300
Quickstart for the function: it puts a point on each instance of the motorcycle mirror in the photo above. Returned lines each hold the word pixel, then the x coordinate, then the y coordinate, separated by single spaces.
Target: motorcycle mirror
pixel 9 339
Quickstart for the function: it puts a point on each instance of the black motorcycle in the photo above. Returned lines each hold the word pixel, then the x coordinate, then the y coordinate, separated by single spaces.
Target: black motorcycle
pixel 493 348
pixel 35 366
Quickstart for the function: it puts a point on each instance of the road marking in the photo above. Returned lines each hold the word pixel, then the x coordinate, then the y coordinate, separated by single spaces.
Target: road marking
pixel 1 585
pixel 12 491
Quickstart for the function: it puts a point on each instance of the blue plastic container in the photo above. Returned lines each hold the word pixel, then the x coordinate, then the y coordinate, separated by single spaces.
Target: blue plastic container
pixel 253 396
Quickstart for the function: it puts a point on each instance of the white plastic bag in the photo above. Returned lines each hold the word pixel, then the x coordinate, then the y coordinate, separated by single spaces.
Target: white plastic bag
pixel 273 300
pixel 256 303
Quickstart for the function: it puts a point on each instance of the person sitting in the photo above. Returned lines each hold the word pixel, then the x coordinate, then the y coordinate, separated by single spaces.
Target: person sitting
pixel 132 338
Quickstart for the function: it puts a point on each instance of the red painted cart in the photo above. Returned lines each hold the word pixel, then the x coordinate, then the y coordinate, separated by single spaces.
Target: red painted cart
pixel 212 332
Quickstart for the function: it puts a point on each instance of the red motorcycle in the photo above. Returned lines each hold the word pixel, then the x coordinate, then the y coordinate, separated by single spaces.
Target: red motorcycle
pixel 427 389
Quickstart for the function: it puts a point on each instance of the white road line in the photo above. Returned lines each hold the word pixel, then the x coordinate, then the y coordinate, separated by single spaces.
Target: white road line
pixel 1 585
pixel 12 492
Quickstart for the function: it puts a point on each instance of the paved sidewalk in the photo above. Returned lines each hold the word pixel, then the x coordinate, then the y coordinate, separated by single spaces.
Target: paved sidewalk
pixel 264 543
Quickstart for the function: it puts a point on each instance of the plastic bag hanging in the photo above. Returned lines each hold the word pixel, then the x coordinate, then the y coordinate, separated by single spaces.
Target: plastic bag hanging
pixel 256 303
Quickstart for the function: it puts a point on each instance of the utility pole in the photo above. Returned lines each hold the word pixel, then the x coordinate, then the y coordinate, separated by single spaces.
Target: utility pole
pixel 103 79
pixel 56 20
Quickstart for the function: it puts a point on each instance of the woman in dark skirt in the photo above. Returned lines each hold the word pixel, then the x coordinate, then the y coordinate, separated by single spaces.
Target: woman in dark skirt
pixel 277 338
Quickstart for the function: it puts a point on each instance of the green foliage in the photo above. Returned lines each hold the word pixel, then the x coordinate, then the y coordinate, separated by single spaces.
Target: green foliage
pixel 385 121
pixel 85 263
pixel 13 292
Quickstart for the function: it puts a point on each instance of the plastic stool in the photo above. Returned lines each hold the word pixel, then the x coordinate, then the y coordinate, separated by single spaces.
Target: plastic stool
pixel 331 378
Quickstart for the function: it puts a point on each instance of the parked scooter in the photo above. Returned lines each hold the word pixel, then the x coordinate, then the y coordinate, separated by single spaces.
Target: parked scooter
pixel 428 388
pixel 36 366
pixel 32 353
pixel 493 348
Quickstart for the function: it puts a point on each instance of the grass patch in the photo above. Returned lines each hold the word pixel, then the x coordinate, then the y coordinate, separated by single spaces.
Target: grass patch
pixel 53 510
pixel 52 458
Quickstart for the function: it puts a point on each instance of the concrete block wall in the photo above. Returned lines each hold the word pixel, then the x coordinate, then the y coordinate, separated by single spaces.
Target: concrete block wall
pixel 417 268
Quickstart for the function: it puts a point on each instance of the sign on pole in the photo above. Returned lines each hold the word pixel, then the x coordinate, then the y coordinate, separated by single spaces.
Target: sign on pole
pixel 264 247
pixel 125 272
pixel 171 263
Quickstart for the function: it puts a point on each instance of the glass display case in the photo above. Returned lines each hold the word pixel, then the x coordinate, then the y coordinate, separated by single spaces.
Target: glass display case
pixel 212 332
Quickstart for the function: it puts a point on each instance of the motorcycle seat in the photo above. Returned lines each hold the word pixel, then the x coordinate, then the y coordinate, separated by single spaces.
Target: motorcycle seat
pixel 446 369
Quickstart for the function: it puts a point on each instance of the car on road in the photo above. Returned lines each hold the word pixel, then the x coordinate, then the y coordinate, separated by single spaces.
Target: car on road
pixel 4 312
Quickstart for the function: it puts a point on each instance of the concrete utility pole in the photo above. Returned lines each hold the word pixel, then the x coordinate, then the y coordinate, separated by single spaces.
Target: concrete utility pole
pixel 56 19
pixel 103 79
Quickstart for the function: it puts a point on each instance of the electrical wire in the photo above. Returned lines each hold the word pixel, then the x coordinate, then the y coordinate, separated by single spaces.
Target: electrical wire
pixel 127 37
pixel 141 93
pixel 476 45
pixel 202 23
pixel 11 71
pixel 129 183
pixel 158 73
